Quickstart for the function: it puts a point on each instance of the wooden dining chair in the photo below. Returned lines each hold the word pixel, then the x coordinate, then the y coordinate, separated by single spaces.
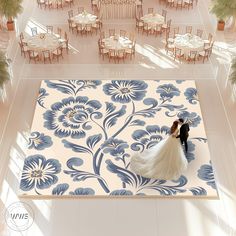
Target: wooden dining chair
pixel 65 43
pixel 176 31
pixel 131 50
pixel 88 29
pixel 150 10
pixel 80 29
pixel 72 25
pixel 178 54
pixel 179 4
pixel 188 29
pixel 123 33
pixel 146 29
pixel 69 2
pixel 166 26
pixel 112 32
pixel 48 4
pixel 209 39
pixel 59 4
pixel 188 4
pixel 199 33
pixel 164 13
pixel 192 56
pixel 169 47
pixel 170 3
pixel 22 38
pixel 204 55
pixel 46 56
pixel 33 56
pixel 121 55
pixel 80 10
pixel 70 14
pixel 102 50
pixel 57 53
pixel 102 35
pixel 49 29
pixel 112 55
pixel 158 29
pixel 139 24
pixel 23 48
pixel 41 3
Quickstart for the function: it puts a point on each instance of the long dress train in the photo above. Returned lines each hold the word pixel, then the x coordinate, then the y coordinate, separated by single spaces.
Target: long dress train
pixel 166 160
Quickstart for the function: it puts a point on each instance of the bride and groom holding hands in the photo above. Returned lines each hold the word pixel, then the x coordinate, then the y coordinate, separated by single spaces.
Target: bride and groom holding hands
pixel 166 160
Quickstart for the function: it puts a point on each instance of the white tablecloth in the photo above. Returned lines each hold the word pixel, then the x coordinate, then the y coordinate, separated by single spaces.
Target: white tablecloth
pixel 43 41
pixel 84 18
pixel 117 42
pixel 188 42
pixel 153 19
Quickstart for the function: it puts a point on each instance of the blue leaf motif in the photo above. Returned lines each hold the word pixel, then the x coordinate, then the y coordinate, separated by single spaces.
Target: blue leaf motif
pixel 141 183
pixel 110 107
pixel 121 192
pixel 198 191
pixel 93 140
pixel 76 147
pixel 72 86
pixel 206 173
pixel 83 191
pixel 73 162
pixel 42 94
pixel 60 189
pixel 111 119
pixel 137 123
pixel 114 147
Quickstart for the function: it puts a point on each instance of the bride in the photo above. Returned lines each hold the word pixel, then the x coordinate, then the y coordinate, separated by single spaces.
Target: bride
pixel 166 160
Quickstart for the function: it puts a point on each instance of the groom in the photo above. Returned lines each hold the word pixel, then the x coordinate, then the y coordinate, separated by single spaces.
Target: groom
pixel 183 135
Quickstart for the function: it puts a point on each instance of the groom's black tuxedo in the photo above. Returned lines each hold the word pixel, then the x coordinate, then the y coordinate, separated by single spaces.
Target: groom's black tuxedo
pixel 183 135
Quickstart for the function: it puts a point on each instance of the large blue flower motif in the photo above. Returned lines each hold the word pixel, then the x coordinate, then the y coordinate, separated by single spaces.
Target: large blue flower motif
pixel 39 173
pixel 167 91
pixel 192 118
pixel 149 137
pixel 125 91
pixel 206 173
pixel 115 147
pixel 191 95
pixel 71 116
pixel 39 141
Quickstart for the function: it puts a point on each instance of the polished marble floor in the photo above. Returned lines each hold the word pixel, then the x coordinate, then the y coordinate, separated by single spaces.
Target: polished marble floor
pixel 142 216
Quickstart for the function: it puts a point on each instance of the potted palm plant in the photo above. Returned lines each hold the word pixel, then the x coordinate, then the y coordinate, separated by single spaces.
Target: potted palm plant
pixel 4 70
pixel 232 75
pixel 10 9
pixel 224 9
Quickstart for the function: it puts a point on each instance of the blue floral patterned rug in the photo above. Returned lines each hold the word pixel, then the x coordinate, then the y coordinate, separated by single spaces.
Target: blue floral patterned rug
pixel 85 132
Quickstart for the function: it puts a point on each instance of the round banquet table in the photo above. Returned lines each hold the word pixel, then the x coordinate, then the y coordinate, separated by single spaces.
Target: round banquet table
pixel 117 42
pixel 43 41
pixel 189 42
pixel 84 18
pixel 153 19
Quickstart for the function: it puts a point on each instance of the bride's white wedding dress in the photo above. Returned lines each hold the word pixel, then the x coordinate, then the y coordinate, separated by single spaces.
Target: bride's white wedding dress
pixel 166 160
